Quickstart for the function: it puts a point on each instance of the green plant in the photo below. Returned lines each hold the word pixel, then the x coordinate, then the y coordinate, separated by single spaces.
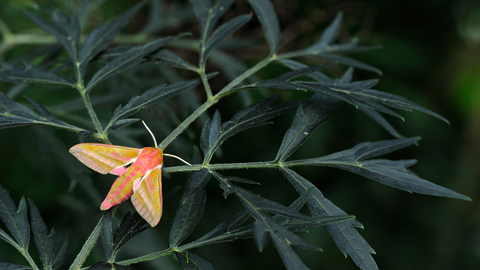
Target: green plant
pixel 260 218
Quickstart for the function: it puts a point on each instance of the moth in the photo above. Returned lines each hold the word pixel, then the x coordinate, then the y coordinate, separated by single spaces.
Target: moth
pixel 139 175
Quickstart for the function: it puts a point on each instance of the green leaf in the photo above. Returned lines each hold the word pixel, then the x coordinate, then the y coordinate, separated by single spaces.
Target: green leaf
pixel 102 36
pixel 318 76
pixel 123 123
pixel 165 56
pixel 201 9
pixel 307 119
pixel 31 74
pixel 11 266
pixel 297 225
pixel 60 255
pixel 13 114
pixel 191 207
pixel 66 30
pixel 191 261
pixel 301 72
pixel 377 117
pixel 230 230
pixel 210 133
pixel 241 180
pixel 282 237
pixel 260 234
pixel 207 15
pixel 15 219
pixel 348 240
pixel 268 18
pixel 107 235
pixel 226 227
pixel 346 61
pixel 330 33
pixel 224 31
pixel 301 224
pixel 130 227
pixel 352 47
pixel 300 201
pixel 347 78
pixel 251 116
pixel 83 136
pixel 45 242
pixel 128 59
pixel 324 48
pixel 150 97
pixel 261 204
pixel 48 116
pixel 5 237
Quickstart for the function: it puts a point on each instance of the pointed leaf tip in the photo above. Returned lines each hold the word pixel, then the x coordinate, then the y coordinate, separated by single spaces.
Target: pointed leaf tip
pixel 268 18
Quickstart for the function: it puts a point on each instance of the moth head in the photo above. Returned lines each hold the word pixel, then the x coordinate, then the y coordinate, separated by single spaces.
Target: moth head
pixel 155 142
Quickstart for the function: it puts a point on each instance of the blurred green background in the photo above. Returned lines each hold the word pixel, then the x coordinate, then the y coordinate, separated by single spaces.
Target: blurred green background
pixel 430 54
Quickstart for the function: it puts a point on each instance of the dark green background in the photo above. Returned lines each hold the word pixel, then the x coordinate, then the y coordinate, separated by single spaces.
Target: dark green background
pixel 430 54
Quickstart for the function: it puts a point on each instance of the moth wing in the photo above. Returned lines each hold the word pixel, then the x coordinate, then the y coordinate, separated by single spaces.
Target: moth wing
pixel 147 196
pixel 122 188
pixel 105 158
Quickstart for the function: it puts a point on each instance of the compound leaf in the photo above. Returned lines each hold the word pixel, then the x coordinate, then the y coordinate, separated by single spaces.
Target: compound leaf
pixel 348 240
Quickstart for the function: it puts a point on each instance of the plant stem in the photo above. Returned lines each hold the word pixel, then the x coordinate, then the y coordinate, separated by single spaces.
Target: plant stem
pixel 27 256
pixel 147 257
pixel 227 89
pixel 87 247
pixel 211 101
pixel 180 128
pixel 88 104
pixel 222 166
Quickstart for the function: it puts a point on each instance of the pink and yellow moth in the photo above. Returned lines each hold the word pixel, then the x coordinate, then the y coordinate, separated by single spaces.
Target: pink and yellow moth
pixel 139 175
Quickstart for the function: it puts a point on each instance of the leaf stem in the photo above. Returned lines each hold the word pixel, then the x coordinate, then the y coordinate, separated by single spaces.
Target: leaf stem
pixel 87 247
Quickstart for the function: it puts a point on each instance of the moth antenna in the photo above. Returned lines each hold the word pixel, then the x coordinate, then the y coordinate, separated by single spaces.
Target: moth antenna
pixel 168 155
pixel 154 141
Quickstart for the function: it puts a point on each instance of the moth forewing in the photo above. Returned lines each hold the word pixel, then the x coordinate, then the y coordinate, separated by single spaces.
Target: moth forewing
pixel 104 158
